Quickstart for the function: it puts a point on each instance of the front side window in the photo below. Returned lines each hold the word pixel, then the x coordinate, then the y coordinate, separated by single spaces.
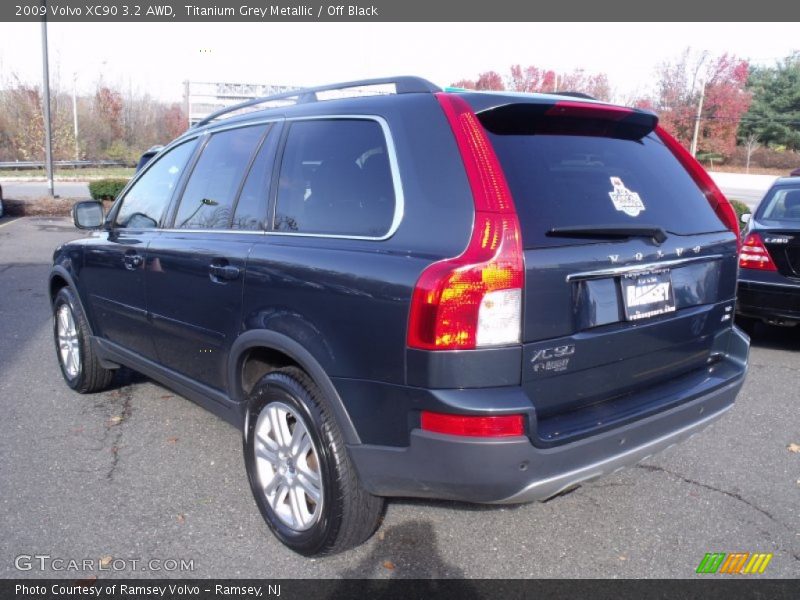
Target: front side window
pixel 207 201
pixel 145 202
pixel 335 178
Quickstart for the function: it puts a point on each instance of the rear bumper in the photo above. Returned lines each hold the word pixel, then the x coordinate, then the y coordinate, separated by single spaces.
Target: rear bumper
pixel 513 470
pixel 768 300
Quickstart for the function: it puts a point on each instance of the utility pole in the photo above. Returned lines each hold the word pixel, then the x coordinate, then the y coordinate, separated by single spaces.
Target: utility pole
pixel 48 137
pixel 697 118
pixel 75 114
pixel 188 101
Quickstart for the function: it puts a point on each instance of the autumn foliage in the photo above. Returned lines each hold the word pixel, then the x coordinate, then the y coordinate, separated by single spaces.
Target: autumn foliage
pixel 111 124
pixel 759 106
pixel 725 100
pixel 677 89
pixel 534 79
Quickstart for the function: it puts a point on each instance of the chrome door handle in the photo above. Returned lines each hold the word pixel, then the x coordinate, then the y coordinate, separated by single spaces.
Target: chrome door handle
pixel 132 261
pixel 226 272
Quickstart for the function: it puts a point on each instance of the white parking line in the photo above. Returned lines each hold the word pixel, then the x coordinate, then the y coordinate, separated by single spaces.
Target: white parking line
pixel 9 222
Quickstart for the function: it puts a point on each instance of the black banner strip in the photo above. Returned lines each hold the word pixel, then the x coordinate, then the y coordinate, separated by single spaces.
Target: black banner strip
pixel 264 11
pixel 711 587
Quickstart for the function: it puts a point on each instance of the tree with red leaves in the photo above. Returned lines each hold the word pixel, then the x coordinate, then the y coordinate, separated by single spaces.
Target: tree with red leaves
pixel 726 99
pixel 490 80
pixel 466 84
pixel 108 104
pixel 532 79
pixel 175 121
pixel 594 84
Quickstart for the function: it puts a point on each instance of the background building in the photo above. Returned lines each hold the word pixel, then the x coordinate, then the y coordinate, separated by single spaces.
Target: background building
pixel 201 98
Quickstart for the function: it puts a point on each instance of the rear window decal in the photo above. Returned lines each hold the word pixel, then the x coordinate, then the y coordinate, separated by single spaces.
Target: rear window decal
pixel 624 199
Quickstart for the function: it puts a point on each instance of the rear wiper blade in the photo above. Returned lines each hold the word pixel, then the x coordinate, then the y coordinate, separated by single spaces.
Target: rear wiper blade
pixel 611 231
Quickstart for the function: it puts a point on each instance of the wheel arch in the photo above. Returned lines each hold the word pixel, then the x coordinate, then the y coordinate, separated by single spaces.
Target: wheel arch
pixel 60 278
pixel 272 350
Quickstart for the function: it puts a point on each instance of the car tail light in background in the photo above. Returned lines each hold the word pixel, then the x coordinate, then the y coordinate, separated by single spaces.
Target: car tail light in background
pixel 754 254
pixel 475 299
pixel 473 426
pixel 715 197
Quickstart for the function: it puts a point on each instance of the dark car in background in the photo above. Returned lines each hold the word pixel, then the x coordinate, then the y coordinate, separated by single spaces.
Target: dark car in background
pixel 769 262
pixel 147 156
pixel 483 297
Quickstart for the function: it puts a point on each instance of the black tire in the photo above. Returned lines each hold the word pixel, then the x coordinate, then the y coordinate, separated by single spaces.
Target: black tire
pixel 90 376
pixel 348 514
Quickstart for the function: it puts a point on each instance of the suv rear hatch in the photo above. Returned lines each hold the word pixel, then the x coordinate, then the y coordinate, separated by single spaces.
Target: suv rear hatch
pixel 630 272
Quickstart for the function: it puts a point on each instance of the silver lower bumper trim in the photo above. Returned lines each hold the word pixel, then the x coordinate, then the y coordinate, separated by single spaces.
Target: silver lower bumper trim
pixel 547 488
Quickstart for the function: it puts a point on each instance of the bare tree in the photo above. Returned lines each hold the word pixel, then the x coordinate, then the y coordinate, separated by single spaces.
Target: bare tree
pixel 750 146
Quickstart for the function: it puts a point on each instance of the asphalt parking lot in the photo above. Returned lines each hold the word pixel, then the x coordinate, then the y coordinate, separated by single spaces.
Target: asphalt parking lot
pixel 138 472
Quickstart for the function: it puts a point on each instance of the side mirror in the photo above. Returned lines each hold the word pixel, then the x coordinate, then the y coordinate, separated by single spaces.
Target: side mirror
pixel 746 217
pixel 88 214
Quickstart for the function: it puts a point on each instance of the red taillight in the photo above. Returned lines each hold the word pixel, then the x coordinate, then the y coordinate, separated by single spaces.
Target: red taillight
pixel 474 299
pixel 473 426
pixel 754 254
pixel 715 197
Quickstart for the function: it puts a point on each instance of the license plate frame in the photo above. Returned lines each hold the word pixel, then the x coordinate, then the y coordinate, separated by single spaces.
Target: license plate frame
pixel 647 294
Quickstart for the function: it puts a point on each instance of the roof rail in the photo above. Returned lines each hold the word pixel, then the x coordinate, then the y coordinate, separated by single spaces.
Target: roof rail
pixel 403 85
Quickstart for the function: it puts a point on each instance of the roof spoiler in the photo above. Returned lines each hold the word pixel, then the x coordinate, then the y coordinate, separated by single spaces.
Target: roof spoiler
pixel 569 117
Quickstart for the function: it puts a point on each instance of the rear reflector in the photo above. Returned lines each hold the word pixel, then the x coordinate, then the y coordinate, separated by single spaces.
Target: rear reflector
pixel 715 197
pixel 475 299
pixel 754 254
pixel 473 426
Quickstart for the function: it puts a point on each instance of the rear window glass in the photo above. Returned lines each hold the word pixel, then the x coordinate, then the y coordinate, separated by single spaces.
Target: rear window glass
pixel 781 204
pixel 572 181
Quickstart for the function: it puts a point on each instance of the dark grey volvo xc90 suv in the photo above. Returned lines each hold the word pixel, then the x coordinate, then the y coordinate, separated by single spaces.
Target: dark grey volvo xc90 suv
pixel 486 297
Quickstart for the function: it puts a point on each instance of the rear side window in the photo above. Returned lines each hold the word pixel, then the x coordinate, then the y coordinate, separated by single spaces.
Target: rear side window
pixel 207 201
pixel 574 180
pixel 335 178
pixel 145 202
pixel 781 204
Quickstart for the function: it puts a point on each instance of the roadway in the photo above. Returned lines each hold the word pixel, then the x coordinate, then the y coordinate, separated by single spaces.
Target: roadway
pixel 137 472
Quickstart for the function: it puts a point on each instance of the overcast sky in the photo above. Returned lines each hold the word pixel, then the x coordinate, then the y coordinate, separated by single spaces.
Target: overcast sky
pixel 158 57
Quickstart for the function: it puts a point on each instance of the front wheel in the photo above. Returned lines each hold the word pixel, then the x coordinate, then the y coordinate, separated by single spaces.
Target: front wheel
pixel 79 363
pixel 299 471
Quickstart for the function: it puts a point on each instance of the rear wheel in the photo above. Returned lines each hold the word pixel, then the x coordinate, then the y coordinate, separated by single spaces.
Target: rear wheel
pixel 299 471
pixel 79 363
